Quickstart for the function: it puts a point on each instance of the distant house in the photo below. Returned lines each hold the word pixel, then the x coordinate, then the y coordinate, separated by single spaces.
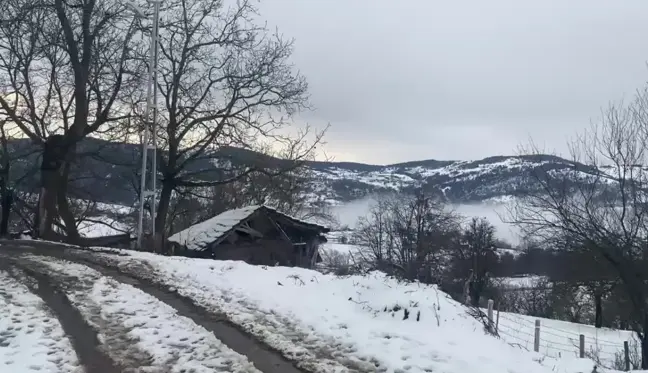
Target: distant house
pixel 255 234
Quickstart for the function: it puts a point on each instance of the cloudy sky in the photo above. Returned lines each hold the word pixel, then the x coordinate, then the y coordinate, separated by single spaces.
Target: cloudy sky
pixel 417 79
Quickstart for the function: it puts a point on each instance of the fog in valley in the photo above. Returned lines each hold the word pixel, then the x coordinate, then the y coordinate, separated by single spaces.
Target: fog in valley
pixel 348 214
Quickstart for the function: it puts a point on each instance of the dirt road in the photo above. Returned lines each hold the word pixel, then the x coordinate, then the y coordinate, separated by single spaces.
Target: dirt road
pixel 113 319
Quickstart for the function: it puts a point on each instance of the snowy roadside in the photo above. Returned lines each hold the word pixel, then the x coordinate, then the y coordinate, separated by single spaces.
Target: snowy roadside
pixel 137 329
pixel 359 323
pixel 31 338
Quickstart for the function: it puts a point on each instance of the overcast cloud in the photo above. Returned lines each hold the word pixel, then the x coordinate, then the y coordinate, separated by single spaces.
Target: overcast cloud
pixel 417 79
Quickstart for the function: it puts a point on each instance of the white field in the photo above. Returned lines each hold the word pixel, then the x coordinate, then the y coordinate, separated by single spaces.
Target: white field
pixel 332 323
pixel 560 339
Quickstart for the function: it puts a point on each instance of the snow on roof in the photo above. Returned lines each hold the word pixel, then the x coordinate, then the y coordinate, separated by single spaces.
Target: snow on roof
pixel 198 236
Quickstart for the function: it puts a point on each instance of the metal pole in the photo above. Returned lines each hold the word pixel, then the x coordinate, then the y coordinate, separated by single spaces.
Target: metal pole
pixel 536 337
pixel 156 27
pixel 145 134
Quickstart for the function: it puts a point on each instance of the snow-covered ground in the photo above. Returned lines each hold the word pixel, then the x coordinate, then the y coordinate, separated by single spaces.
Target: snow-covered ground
pixel 340 247
pixel 369 323
pixel 521 282
pixel 558 338
pixel 165 341
pixel 561 339
pixel 31 338
pixel 100 226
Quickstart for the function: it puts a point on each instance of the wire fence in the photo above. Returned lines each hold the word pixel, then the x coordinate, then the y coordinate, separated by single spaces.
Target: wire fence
pixel 609 348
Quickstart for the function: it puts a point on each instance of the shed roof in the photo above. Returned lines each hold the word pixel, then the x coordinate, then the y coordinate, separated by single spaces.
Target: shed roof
pixel 198 236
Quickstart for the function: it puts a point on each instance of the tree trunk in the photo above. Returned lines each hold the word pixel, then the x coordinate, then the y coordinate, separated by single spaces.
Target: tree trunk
pixel 7 200
pixel 475 293
pixel 161 214
pixel 644 347
pixel 4 197
pixel 598 318
pixel 57 155
pixel 466 289
pixel 46 209
pixel 64 207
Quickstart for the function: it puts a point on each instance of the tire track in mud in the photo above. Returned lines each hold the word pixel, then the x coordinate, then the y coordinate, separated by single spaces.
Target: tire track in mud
pixel 262 356
pixel 244 338
pixel 82 336
pixel 112 338
pixel 312 357
pixel 28 324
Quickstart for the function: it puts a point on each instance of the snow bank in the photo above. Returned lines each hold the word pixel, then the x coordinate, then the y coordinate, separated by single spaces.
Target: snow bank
pixel 31 339
pixel 364 323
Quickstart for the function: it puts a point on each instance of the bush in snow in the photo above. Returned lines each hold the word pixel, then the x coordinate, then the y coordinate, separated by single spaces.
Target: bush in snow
pixel 338 263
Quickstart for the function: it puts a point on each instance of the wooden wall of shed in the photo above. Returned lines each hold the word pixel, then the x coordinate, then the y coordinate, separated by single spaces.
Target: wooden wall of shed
pixel 261 252
pixel 273 248
pixel 306 255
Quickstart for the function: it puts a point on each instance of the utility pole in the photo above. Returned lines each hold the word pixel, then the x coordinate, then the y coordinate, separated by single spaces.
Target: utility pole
pixel 149 134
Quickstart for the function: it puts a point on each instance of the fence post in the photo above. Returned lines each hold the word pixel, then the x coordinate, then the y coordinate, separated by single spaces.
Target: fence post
pixel 626 354
pixel 581 347
pixel 497 321
pixel 490 315
pixel 536 339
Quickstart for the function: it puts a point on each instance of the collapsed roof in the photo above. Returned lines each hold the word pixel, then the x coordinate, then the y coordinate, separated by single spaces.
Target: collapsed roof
pixel 199 236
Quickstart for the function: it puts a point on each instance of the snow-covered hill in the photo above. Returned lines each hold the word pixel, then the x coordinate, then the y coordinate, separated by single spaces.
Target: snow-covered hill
pixel 459 181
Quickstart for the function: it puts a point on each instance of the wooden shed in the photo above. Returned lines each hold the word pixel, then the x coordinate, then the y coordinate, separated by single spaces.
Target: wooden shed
pixel 255 234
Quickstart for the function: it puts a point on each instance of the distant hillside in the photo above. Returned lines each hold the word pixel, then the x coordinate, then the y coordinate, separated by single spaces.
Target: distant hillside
pixel 108 171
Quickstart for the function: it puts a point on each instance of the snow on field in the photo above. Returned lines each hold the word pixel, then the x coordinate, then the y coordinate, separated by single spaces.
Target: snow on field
pixel 337 241
pixel 522 282
pixel 168 340
pixel 339 247
pixel 31 339
pixel 368 323
pixel 114 208
pixel 101 226
pixel 561 338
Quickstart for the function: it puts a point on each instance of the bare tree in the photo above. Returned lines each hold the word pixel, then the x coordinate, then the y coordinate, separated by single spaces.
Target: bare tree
pixel 586 268
pixel 601 207
pixel 408 236
pixel 6 192
pixel 225 83
pixel 475 257
pixel 65 69
pixel 290 192
pixel 533 300
pixel 338 263
pixel 16 173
